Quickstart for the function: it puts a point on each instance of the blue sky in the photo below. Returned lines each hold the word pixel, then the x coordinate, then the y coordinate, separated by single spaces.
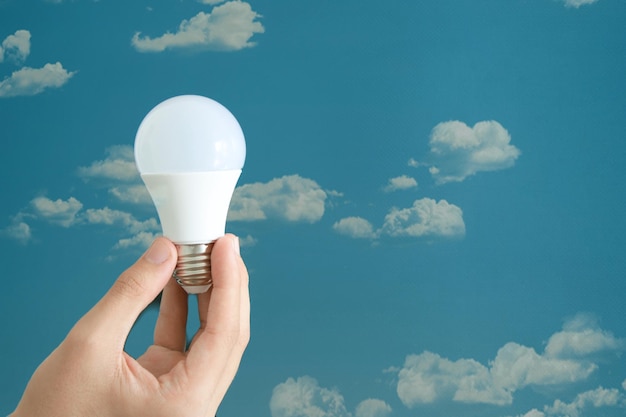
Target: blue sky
pixel 431 207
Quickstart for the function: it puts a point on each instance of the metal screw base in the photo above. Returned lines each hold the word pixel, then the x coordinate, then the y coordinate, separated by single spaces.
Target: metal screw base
pixel 193 268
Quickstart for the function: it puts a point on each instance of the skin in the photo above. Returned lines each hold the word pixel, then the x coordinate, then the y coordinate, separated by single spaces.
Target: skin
pixel 89 374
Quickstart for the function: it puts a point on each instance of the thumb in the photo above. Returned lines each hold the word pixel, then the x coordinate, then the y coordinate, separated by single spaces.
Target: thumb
pixel 114 315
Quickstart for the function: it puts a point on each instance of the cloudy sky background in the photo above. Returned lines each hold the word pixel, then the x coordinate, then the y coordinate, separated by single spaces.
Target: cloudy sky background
pixel 431 209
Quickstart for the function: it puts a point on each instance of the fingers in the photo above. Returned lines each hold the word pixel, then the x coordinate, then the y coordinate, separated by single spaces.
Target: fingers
pixel 169 331
pixel 218 347
pixel 232 364
pixel 114 315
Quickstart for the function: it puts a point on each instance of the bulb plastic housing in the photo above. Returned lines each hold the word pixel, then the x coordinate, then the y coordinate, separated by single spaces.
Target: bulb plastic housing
pixel 190 151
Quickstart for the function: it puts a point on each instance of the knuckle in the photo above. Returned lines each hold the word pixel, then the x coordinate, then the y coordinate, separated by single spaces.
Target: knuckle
pixel 129 284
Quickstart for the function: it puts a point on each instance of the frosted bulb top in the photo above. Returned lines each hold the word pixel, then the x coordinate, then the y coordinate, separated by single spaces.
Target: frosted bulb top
pixel 189 134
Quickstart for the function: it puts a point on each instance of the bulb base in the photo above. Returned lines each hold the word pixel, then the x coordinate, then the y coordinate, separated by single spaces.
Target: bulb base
pixel 193 268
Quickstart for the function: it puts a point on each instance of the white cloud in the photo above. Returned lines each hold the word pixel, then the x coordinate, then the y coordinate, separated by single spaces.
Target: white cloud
pixel 402 182
pixel 119 164
pixel 356 227
pixel 61 212
pixel 18 230
pixel 577 3
pixel 119 172
pixel 211 2
pixel 247 241
pixel 68 213
pixel 581 336
pixel 458 151
pixel 372 408
pixel 303 397
pixel 16 47
pixel 134 194
pixel 624 385
pixel 597 398
pixel 111 217
pixel 290 198
pixel 30 81
pixel 428 377
pixel 517 366
pixel 227 27
pixel 425 218
pixel 141 240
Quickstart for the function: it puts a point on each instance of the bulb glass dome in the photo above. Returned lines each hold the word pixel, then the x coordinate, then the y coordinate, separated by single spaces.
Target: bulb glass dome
pixel 189 134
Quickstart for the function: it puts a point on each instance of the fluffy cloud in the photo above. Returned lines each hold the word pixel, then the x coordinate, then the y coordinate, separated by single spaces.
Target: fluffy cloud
pixel 428 377
pixel 18 230
pixel 140 240
pixel 30 81
pixel 458 151
pixel 597 398
pixel 60 212
pixel 577 3
pixel 582 336
pixel 16 47
pixel 425 218
pixel 119 164
pixel 68 213
pixel 303 397
pixel 372 407
pixel 290 198
pixel 119 172
pixel 356 227
pixel 517 366
pixel 402 182
pixel 227 27
pixel 111 217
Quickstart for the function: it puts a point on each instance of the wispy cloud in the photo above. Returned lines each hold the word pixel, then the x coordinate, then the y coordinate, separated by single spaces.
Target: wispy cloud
pixel 118 173
pixel 373 407
pixel 18 230
pixel 592 399
pixel 119 164
pixel 15 47
pixel 291 198
pixel 428 377
pixel 403 182
pixel 228 27
pixel 577 3
pixel 31 81
pixel 304 397
pixel 59 212
pixel 355 227
pixel 70 213
pixel 458 151
pixel 426 218
pixel 28 81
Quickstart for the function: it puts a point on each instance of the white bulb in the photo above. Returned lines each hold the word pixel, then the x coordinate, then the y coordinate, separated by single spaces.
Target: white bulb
pixel 190 151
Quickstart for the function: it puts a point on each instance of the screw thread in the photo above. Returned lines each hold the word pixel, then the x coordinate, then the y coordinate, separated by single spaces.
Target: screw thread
pixel 193 268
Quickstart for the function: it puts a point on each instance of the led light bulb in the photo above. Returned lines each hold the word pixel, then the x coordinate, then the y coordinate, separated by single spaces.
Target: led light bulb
pixel 190 151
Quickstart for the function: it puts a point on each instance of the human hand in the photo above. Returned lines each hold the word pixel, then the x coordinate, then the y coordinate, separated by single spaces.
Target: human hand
pixel 89 374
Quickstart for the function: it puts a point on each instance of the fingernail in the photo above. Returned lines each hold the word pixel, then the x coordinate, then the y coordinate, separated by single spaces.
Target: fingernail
pixel 236 246
pixel 158 252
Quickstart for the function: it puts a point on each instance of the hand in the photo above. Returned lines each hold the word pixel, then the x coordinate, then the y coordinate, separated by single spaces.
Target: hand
pixel 89 374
